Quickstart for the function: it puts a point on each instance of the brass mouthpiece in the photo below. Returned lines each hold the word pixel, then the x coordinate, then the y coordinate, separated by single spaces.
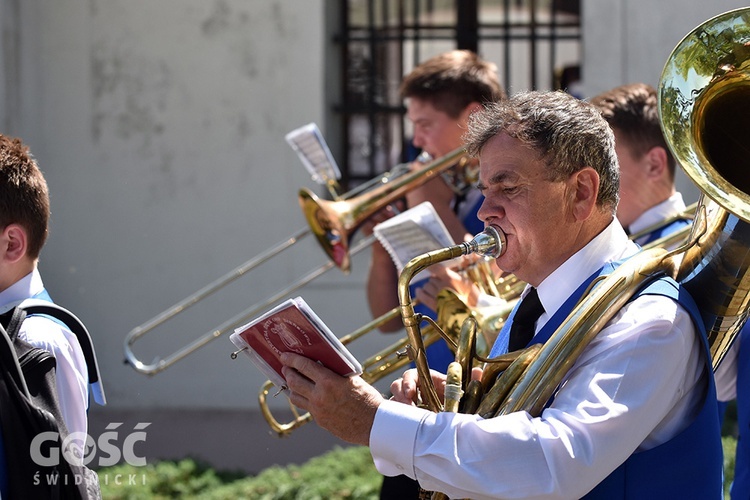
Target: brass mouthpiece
pixel 488 243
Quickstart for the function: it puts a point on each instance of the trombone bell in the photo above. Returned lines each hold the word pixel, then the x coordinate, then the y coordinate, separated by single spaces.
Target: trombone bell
pixel 330 222
pixel 334 222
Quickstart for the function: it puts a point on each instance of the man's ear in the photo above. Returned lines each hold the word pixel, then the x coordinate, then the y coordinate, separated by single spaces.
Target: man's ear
pixel 14 242
pixel 656 159
pixel 585 184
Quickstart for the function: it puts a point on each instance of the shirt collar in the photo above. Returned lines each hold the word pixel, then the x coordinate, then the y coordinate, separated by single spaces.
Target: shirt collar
pixel 667 208
pixel 610 245
pixel 26 287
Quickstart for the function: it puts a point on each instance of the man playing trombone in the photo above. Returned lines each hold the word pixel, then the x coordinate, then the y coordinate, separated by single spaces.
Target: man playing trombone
pixel 634 415
pixel 441 94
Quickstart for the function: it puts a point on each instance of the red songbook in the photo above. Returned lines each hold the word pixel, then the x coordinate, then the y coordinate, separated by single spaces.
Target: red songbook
pixel 292 326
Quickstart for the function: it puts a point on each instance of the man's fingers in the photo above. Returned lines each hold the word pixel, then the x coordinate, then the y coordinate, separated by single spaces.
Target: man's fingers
pixel 303 365
pixel 298 400
pixel 300 373
pixel 404 390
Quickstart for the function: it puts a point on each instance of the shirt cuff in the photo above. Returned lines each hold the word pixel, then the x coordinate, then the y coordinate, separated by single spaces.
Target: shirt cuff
pixel 393 436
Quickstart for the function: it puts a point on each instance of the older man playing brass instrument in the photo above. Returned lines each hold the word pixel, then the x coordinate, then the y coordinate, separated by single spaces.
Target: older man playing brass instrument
pixel 634 416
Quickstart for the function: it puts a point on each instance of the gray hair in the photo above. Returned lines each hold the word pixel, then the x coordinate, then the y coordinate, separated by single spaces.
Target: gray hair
pixel 569 134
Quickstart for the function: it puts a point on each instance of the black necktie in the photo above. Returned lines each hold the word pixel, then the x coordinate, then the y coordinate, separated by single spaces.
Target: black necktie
pixel 522 329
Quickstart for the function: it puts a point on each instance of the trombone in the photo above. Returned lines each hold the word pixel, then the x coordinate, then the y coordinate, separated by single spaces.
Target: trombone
pixel 332 222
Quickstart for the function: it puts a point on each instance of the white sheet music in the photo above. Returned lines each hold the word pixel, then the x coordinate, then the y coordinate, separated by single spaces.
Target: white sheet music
pixel 412 233
pixel 311 147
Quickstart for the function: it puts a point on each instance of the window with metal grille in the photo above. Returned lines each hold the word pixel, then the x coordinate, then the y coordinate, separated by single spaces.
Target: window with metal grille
pixel 535 44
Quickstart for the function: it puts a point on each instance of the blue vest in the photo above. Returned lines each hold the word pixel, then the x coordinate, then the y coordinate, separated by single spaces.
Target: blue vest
pixel 690 464
pixel 687 466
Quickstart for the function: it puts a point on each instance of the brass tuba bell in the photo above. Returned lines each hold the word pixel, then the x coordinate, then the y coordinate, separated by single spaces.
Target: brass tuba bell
pixel 704 101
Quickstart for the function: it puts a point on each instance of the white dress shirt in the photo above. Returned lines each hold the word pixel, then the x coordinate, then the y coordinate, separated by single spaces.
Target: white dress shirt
pixel 71 373
pixel 636 385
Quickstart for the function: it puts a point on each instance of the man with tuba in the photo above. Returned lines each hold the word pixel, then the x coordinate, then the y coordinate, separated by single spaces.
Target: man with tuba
pixel 635 415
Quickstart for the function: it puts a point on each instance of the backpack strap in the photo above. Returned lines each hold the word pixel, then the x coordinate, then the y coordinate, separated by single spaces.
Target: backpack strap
pixel 76 326
pixel 12 321
pixel 9 361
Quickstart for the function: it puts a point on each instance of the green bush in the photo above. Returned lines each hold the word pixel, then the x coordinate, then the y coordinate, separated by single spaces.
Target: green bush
pixel 343 473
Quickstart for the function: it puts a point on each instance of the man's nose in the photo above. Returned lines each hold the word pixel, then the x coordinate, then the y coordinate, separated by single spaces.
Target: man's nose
pixel 490 211
pixel 418 139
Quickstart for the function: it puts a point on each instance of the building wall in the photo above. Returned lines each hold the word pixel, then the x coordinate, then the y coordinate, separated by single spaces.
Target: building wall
pixel 160 127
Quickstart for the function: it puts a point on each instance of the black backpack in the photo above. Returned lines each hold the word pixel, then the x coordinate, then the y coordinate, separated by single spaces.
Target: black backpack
pixel 30 417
